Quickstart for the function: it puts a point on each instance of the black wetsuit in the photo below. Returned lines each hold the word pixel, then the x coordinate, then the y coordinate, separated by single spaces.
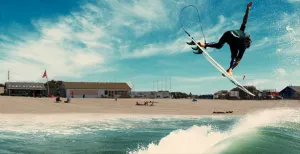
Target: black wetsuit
pixel 235 39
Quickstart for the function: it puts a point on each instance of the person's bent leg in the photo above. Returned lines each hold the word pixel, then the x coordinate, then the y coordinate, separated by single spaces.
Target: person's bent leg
pixel 238 58
pixel 219 44
pixel 234 52
pixel 236 63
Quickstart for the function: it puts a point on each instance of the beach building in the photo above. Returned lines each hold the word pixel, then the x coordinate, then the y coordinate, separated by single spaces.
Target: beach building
pixel 162 94
pixel 222 94
pixel 178 95
pixel 269 94
pixel 94 89
pixel 290 92
pixel 150 94
pixel 143 94
pixel 25 89
pixel 1 88
pixel 206 96
pixel 237 93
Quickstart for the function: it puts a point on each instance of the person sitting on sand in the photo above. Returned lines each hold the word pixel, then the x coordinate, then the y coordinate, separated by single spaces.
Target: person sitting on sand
pixel 58 99
pixel 137 103
pixel 152 103
pixel 146 103
pixel 68 100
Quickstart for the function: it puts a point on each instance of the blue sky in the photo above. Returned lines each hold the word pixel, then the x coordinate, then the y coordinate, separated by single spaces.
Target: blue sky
pixel 141 41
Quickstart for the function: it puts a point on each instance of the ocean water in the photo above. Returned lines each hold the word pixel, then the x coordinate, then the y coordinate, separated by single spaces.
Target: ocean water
pixel 270 131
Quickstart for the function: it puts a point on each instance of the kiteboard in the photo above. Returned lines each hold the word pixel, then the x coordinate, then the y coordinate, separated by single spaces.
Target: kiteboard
pixel 211 60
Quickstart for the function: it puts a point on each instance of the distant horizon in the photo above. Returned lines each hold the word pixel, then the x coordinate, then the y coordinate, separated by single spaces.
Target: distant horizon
pixel 141 41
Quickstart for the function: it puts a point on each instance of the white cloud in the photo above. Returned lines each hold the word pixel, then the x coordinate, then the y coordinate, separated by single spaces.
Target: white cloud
pixel 222 19
pixel 196 79
pixel 162 48
pixel 83 59
pixel 145 10
pixel 5 38
pixel 140 16
pixel 276 79
pixel 179 45
pixel 280 72
pixel 288 28
pixel 72 45
pixel 289 41
pixel 293 1
pixel 288 47
pixel 67 46
pixel 258 82
pixel 262 44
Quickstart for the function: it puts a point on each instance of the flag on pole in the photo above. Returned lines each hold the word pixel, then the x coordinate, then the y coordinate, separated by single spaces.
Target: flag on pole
pixel 45 74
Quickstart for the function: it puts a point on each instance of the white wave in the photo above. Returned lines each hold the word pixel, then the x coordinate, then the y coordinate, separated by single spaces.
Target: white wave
pixel 193 140
pixel 81 123
pixel 204 139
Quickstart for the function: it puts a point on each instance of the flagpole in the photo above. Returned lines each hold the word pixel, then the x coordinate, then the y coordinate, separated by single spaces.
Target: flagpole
pixel 48 86
pixel 45 75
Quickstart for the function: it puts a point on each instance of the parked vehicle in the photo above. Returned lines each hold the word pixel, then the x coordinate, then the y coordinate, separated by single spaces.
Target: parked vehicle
pixel 278 97
pixel 270 97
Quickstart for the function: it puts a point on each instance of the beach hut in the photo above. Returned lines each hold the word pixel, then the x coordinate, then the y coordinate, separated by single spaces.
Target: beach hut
pixel 290 92
pixel 25 89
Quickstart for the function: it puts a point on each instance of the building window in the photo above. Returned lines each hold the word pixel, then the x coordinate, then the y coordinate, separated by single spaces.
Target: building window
pixel 105 93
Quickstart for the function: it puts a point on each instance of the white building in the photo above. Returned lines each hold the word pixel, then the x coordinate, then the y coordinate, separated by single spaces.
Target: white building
pixel 143 94
pixel 94 90
pixel 150 94
pixel 163 94
pixel 220 94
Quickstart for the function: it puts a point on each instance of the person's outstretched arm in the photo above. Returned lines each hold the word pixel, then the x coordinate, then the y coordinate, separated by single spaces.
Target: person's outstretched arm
pixel 243 26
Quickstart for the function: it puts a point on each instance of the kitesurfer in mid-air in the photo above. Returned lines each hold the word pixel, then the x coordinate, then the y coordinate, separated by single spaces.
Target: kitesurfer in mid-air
pixel 238 41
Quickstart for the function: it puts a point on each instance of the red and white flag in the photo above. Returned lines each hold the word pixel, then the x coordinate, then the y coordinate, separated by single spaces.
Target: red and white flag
pixel 45 74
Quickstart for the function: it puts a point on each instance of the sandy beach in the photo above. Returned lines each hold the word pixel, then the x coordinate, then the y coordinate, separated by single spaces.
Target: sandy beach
pixel 28 105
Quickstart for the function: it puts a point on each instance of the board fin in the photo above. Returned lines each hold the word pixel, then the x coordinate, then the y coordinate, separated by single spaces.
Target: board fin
pixel 191 43
pixel 195 48
pixel 198 50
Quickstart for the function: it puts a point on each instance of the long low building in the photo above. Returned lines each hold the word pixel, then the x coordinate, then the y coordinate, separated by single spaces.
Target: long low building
pixel 25 89
pixel 150 94
pixel 94 90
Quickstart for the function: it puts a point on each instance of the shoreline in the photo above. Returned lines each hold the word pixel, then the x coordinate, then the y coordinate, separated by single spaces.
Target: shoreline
pixel 164 107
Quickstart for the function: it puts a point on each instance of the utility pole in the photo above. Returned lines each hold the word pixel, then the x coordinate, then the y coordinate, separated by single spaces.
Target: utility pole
pixel 166 83
pixel 170 88
pixel 153 85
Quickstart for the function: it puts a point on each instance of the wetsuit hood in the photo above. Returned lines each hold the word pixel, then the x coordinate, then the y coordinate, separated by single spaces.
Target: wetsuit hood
pixel 248 40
